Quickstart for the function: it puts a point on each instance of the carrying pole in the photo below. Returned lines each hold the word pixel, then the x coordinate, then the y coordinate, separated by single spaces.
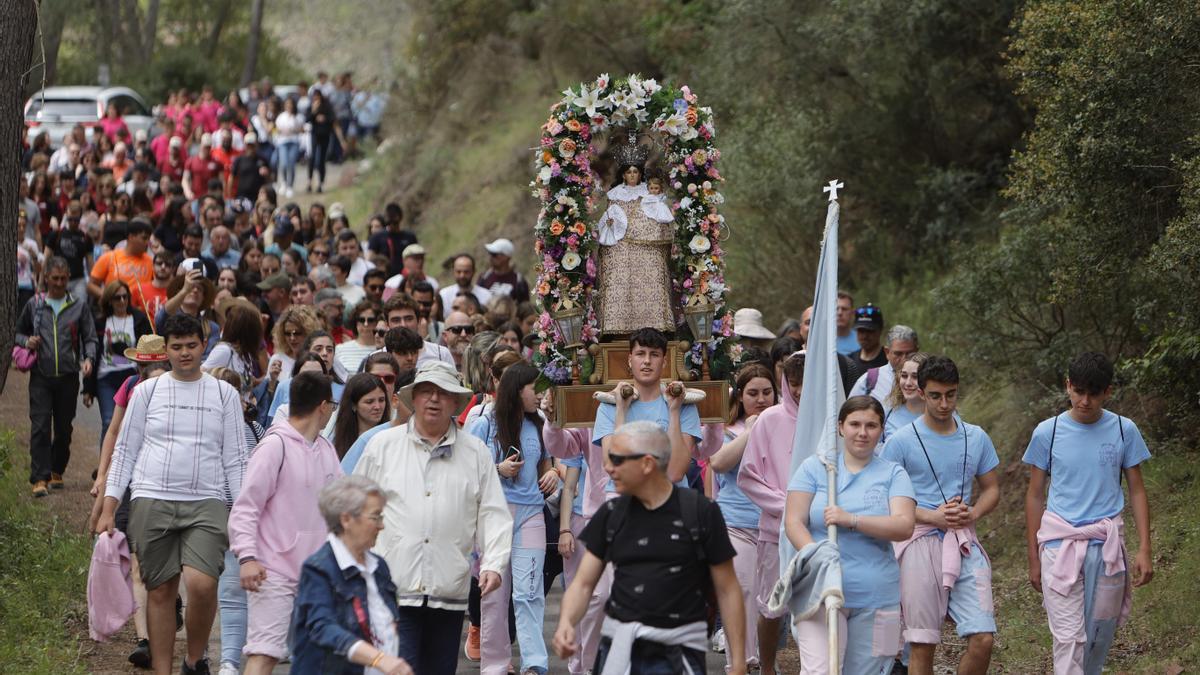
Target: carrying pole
pixel 832 604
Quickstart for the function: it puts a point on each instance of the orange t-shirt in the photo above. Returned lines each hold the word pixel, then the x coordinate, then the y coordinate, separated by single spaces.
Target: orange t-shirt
pixel 156 299
pixel 137 271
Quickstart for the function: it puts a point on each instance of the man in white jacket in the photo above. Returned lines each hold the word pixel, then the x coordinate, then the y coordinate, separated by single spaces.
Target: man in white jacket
pixel 445 497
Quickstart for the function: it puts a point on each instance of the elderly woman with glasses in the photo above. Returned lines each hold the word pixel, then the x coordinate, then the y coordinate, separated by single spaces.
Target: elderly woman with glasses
pixel 344 618
pixel 118 326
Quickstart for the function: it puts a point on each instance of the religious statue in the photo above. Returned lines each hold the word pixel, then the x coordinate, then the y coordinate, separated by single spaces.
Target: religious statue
pixel 635 234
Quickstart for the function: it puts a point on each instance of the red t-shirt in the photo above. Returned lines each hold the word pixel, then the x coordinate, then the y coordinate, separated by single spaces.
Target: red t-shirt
pixel 202 170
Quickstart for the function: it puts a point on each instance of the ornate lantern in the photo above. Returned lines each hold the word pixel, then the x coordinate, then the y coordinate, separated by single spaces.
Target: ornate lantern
pixel 570 325
pixel 700 319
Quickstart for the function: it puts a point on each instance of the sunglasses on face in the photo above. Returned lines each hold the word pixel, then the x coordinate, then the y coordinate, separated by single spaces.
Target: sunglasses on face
pixel 293 333
pixel 459 330
pixel 323 254
pixel 122 297
pixel 380 332
pixel 389 380
pixel 368 319
pixel 618 460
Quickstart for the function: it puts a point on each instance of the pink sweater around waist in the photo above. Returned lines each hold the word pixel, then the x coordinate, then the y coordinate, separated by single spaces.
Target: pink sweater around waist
pixel 955 545
pixel 1069 560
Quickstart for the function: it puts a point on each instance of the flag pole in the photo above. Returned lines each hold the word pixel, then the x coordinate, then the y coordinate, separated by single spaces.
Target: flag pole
pixel 833 604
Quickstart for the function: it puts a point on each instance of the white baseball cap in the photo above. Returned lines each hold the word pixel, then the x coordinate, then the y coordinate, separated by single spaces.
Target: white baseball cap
pixel 500 247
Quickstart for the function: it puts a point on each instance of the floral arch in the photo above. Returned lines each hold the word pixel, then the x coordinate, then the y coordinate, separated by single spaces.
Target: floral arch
pixel 565 234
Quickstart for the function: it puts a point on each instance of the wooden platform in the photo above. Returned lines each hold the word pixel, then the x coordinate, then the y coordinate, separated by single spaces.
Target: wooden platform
pixel 574 406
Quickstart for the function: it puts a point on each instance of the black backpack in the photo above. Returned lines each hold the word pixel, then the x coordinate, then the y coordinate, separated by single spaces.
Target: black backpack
pixel 689 505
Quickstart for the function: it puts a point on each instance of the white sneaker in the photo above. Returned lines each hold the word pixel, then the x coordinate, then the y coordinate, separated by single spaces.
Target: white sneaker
pixel 227 668
pixel 290 193
pixel 718 641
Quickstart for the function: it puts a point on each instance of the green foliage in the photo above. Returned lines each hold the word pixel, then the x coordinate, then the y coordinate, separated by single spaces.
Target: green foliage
pixel 1100 244
pixel 43 573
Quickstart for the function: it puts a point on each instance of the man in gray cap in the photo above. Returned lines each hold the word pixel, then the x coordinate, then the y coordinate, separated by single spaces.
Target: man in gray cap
pixel 276 292
pixel 445 497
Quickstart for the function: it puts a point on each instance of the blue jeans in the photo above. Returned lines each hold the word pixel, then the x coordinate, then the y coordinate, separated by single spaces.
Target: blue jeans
pixel 320 155
pixel 231 601
pixel 106 389
pixel 286 154
pixel 429 639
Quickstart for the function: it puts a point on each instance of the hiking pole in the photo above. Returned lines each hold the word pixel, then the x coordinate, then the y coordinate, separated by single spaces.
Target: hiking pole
pixel 833 604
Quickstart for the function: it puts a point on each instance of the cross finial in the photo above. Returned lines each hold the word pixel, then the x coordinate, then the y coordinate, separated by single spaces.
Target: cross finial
pixel 832 188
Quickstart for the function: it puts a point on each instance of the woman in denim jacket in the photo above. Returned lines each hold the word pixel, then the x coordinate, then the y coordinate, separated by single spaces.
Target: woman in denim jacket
pixel 345 613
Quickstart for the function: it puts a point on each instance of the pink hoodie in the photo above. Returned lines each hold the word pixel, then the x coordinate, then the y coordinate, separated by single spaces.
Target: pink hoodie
pixel 110 587
pixel 767 463
pixel 568 443
pixel 275 519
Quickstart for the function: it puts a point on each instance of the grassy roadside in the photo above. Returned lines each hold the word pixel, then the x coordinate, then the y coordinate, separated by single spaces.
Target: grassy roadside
pixel 43 578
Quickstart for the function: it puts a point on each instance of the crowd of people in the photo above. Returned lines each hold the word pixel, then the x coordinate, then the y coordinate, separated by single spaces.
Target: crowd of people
pixel 304 433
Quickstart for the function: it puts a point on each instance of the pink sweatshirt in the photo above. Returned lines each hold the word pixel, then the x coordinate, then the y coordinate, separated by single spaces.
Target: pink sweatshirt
pixel 110 587
pixel 1069 560
pixel 955 544
pixel 568 443
pixel 275 518
pixel 767 464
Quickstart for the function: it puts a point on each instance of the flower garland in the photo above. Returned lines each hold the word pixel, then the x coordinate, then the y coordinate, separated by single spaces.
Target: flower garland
pixel 565 184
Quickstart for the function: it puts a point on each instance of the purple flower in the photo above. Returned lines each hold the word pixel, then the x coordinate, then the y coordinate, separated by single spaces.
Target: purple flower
pixel 680 105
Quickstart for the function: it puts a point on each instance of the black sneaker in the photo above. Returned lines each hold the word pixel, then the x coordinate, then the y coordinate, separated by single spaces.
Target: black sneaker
pixel 898 668
pixel 200 668
pixel 140 656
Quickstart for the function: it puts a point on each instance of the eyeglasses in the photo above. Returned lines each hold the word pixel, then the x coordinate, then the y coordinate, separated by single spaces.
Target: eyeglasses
pixel 368 319
pixel 459 330
pixel 618 460
pixel 378 518
pixel 380 332
pixel 293 333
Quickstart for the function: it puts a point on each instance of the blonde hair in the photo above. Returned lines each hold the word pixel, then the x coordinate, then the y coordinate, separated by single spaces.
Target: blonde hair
pixel 227 375
pixel 303 316
pixel 896 398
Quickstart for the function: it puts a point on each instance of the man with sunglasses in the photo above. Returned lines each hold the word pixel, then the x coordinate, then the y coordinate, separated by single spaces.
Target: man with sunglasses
pixel 373 284
pixel 71 243
pixel 666 545
pixel 457 336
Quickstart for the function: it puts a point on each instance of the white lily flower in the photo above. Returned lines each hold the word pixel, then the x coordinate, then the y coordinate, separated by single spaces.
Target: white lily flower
pixel 650 86
pixel 675 124
pixel 619 99
pixel 544 175
pixel 688 132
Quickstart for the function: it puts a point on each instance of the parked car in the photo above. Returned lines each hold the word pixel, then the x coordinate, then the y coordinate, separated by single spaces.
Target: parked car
pixel 58 109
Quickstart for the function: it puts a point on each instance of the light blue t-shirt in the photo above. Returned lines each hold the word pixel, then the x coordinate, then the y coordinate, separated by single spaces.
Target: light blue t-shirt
pixel 578 463
pixel 736 507
pixel 356 450
pixel 848 344
pixel 523 488
pixel 870 574
pixel 656 411
pixel 949 476
pixel 897 417
pixel 56 304
pixel 1085 476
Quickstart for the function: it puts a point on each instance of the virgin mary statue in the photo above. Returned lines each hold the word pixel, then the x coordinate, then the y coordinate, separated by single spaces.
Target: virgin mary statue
pixel 634 276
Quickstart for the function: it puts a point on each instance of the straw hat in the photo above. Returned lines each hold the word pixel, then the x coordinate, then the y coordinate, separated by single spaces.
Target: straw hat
pixel 748 323
pixel 150 349
pixel 445 377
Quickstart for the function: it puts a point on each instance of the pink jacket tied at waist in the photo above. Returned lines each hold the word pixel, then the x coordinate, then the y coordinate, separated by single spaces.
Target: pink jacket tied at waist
pixel 1069 561
pixel 956 544
pixel 110 587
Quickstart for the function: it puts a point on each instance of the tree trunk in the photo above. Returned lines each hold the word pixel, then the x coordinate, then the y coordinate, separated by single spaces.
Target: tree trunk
pixel 256 16
pixel 18 26
pixel 150 33
pixel 214 36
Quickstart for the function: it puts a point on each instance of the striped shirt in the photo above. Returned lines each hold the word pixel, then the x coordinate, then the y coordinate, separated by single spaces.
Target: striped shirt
pixel 180 441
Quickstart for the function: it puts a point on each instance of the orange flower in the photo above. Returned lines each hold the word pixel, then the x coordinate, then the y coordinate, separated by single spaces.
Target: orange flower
pixel 543 288
pixel 556 228
pixel 692 116
pixel 567 148
pixel 573 125
pixel 547 157
pixel 579 228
